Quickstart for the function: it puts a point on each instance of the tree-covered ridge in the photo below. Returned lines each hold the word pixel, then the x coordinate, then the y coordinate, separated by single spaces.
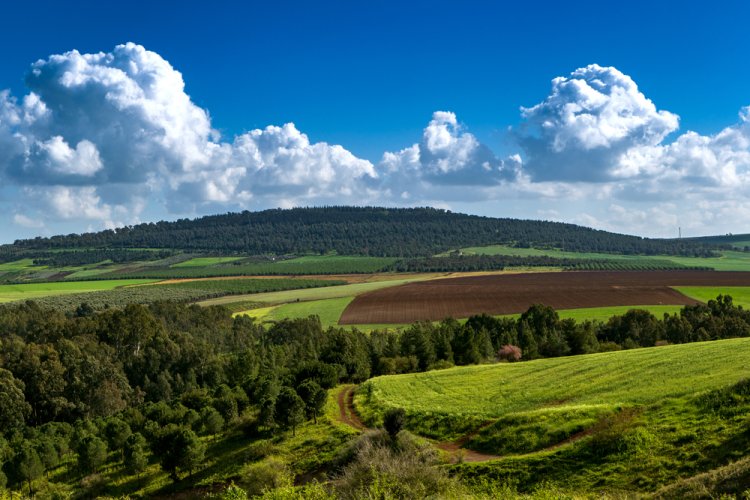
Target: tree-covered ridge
pixel 396 232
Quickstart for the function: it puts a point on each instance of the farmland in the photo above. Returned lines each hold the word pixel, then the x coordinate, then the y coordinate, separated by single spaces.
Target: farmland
pixel 206 261
pixel 509 294
pixel 9 293
pixel 729 260
pixel 317 294
pixel 327 264
pixel 67 296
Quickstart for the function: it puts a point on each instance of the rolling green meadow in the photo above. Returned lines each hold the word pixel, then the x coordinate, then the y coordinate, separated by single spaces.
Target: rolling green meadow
pixel 645 420
pixel 602 379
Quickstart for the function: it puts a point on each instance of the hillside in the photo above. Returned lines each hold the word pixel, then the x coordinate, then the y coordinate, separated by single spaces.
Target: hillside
pixel 670 420
pixel 353 231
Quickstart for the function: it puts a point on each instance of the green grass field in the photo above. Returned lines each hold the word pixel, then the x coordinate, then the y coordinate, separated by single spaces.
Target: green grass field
pixel 328 310
pixel 638 376
pixel 729 261
pixel 604 313
pixel 18 265
pixel 206 261
pixel 89 272
pixel 740 294
pixel 9 293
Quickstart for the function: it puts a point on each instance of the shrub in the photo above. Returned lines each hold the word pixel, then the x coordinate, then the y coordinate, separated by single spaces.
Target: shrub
pixel 259 477
pixel 393 421
pixel 509 353
pixel 407 470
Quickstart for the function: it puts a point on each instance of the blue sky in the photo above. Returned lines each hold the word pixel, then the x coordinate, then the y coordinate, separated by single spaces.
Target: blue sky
pixel 370 77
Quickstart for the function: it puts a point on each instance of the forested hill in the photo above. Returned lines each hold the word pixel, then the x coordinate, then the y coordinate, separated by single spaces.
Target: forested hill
pixel 401 232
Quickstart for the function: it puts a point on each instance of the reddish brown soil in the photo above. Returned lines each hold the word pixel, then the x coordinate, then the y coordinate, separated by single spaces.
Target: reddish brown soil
pixel 514 293
pixel 347 414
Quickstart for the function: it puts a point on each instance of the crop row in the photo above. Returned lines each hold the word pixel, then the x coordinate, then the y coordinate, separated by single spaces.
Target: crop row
pixel 179 292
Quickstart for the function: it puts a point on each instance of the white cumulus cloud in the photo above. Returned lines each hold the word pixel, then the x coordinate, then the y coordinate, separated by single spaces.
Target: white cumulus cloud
pixel 446 156
pixel 93 124
pixel 587 122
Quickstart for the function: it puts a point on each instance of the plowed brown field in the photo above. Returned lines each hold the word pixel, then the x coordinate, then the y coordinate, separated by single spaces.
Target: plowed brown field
pixel 514 293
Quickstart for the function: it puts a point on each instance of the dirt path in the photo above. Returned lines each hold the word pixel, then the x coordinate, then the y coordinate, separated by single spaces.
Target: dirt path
pixel 460 454
pixel 347 414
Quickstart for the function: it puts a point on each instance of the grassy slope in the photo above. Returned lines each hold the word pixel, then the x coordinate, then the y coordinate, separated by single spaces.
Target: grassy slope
pixel 637 376
pixel 631 421
pixel 10 293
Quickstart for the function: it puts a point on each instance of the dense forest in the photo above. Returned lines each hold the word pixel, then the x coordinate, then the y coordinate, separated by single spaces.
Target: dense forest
pixel 122 385
pixel 394 232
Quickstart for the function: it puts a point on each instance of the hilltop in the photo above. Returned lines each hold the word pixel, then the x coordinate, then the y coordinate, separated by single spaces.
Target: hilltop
pixel 372 231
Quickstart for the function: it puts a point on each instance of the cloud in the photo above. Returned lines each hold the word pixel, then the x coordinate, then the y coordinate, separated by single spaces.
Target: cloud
pixel 447 156
pixel 123 118
pixel 25 221
pixel 589 120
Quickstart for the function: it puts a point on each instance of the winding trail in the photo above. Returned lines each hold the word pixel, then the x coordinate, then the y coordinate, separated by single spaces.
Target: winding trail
pixel 460 454
pixel 348 415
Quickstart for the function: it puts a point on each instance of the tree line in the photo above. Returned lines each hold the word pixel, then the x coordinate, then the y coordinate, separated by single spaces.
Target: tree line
pixel 374 231
pixel 465 263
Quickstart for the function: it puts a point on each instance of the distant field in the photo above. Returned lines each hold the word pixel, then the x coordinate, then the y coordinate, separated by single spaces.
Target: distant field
pixel 331 292
pixel 18 265
pixel 329 310
pixel 535 252
pixel 9 293
pixel 512 294
pixel 206 261
pixel 740 294
pixel 318 264
pixel 259 313
pixel 729 261
pixel 189 291
pixel 638 376
pixel 88 273
pixel 604 313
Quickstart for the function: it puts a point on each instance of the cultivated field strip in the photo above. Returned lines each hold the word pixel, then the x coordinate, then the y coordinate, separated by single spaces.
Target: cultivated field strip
pixel 510 294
